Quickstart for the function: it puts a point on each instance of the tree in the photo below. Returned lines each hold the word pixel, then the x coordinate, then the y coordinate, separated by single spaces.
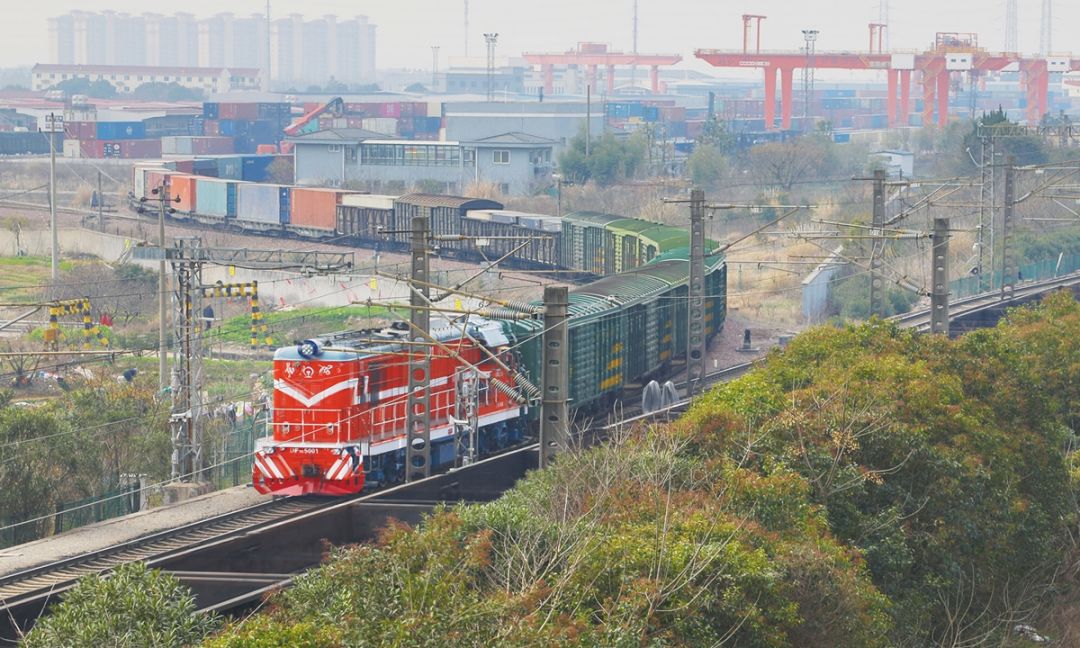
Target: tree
pixel 133 607
pixel 610 159
pixel 1026 149
pixel 100 89
pixel 280 171
pixel 786 164
pixel 416 87
pixel 157 91
pixel 707 165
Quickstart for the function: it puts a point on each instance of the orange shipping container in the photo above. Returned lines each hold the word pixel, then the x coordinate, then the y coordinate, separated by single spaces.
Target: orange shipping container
pixel 182 187
pixel 315 208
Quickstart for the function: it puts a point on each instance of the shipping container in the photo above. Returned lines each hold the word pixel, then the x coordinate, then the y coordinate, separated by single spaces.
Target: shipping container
pixel 230 167
pixel 254 167
pixel 246 110
pixel 210 111
pixel 215 197
pixel 210 127
pixel 259 203
pixel 154 178
pixel 140 149
pixel 314 209
pixel 71 148
pixel 212 145
pixel 182 188
pixel 285 202
pixel 383 125
pixel 183 166
pixel 120 130
pixel 91 149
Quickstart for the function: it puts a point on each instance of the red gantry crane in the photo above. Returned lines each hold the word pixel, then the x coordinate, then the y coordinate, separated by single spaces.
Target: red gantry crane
pixel 952 53
pixel 594 55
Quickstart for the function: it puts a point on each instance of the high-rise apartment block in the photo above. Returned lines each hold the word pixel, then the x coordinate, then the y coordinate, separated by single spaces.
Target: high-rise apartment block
pixel 301 52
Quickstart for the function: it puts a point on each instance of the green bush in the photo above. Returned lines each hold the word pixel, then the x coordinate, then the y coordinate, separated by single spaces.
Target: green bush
pixel 134 607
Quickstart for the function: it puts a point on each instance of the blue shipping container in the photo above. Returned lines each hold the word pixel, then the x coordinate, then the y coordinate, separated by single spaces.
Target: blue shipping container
pixel 255 168
pixel 231 168
pixel 120 130
pixel 285 199
pixel 210 110
pixel 215 197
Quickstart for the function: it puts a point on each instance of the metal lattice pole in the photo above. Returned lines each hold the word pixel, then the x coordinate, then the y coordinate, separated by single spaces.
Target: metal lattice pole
pixel 187 377
pixel 986 211
pixel 466 414
pixel 418 416
pixel 695 338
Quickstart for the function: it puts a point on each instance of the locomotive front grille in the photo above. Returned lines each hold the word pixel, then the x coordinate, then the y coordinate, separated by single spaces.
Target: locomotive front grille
pixel 310 470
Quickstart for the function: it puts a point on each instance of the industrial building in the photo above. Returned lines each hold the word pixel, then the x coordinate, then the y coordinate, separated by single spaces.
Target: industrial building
pixel 126 78
pixel 517 163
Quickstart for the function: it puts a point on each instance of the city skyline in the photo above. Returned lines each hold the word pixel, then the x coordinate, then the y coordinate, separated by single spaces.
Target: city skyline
pixel 302 51
pixel 409 28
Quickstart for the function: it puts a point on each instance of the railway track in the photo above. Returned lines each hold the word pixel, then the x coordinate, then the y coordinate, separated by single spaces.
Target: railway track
pixel 56 575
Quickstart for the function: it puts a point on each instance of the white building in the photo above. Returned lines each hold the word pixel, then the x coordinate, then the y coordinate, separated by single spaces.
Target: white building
pixel 125 78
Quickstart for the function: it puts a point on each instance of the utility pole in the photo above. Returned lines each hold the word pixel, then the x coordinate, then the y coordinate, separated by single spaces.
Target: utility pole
pixel 163 293
pixel 877 281
pixel 810 37
pixel 51 123
pixel 695 339
pixel 588 118
pixel 418 432
pixel 100 205
pixel 491 39
pixel 939 295
pixel 555 374
pixel 1008 263
pixel 986 212
pixel 434 67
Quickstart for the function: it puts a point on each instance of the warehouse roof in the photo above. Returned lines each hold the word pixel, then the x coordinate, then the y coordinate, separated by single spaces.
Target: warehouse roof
pixel 353 135
pixel 515 138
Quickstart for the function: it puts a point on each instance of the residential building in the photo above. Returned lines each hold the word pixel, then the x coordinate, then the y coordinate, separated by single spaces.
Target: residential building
pixel 301 52
pixel 125 78
pixel 517 163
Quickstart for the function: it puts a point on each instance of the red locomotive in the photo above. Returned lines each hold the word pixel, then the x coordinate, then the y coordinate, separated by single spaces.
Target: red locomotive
pixel 339 415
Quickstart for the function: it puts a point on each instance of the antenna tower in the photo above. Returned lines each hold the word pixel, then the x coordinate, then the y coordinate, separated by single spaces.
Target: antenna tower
pixel 883 19
pixel 1010 27
pixel 466 28
pixel 1045 27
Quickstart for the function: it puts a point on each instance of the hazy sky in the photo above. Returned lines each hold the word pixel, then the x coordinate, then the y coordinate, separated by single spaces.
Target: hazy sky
pixel 408 28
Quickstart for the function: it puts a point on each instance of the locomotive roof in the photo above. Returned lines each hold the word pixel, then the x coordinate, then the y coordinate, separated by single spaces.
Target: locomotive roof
pixel 363 343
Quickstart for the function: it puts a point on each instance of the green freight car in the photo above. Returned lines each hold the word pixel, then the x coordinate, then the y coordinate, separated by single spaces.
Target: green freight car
pixel 627 328
pixel 605 244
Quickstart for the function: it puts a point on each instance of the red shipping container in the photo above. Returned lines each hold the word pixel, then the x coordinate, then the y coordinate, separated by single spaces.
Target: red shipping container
pixel 91 149
pixel 212 145
pixel 143 148
pixel 182 186
pixel 420 109
pixel 210 127
pixel 315 208
pixel 266 149
pixel 390 109
pixel 153 180
pixel 247 110
pixel 184 166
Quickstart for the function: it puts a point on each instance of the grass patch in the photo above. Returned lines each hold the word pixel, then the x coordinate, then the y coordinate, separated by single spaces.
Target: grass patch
pixel 287 325
pixel 23 278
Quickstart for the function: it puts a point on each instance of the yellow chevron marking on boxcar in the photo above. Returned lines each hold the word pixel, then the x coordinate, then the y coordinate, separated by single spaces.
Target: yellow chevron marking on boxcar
pixel 617 348
pixel 611 382
pixel 614 364
pixel 666 338
pixel 664 355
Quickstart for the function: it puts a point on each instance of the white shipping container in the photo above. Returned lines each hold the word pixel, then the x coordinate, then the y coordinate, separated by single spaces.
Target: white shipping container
pixel 138 172
pixel 478 214
pixel 259 203
pixel 383 125
pixel 371 201
pixel 72 148
pixel 176 145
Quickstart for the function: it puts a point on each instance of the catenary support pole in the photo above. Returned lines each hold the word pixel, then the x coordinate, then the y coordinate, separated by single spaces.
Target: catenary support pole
pixel 877 279
pixel 418 416
pixel 555 379
pixel 695 338
pixel 939 296
pixel 1009 273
